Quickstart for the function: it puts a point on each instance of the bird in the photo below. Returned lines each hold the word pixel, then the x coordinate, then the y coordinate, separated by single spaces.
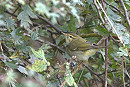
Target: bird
pixel 80 48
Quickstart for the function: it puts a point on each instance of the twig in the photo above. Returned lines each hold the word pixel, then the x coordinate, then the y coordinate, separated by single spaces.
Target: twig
pixel 106 51
pixel 125 12
pixel 45 27
pixel 93 72
pixel 52 25
pixel 108 72
pixel 10 13
pixel 106 61
pixel 16 9
pixel 123 70
pixel 112 6
pixel 102 4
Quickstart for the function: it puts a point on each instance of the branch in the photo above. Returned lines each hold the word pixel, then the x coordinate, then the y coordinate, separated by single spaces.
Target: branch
pixel 106 51
pixel 108 72
pixel 123 70
pixel 106 61
pixel 52 25
pixel 125 12
pixel 93 72
pixel 10 13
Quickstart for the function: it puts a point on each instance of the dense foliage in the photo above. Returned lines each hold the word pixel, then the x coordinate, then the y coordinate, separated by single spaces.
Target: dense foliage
pixel 32 48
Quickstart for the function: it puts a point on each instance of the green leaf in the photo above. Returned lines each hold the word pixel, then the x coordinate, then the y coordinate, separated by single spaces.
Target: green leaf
pixel 22 70
pixel 54 17
pixel 11 65
pixel 25 20
pixel 122 52
pixel 70 80
pixel 88 76
pixel 89 1
pixel 10 23
pixel 55 2
pixel 15 36
pixel 113 15
pixel 42 9
pixel 11 76
pixel 2 23
pixel 78 2
pixel 24 16
pixel 34 35
pixel 102 30
pixel 122 32
pixel 127 46
pixel 72 9
pixel 45 46
pixel 38 66
pixel 21 2
pixel 58 40
pixel 40 54
pixel 109 81
pixel 52 84
pixel 72 24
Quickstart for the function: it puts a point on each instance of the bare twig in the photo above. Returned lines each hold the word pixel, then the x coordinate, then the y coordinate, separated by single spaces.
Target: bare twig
pixel 108 72
pixel 106 61
pixel 112 6
pixel 106 51
pixel 125 12
pixel 10 13
pixel 93 72
pixel 102 4
pixel 17 8
pixel 52 25
pixel 123 70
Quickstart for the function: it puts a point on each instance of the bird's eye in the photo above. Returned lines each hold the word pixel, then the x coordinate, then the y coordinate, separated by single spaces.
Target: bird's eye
pixel 93 44
pixel 71 37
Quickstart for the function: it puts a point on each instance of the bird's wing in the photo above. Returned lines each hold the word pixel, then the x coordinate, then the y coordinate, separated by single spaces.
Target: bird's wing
pixel 80 45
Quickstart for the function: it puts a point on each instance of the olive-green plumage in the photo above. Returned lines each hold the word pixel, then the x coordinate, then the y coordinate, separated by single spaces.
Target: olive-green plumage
pixel 79 47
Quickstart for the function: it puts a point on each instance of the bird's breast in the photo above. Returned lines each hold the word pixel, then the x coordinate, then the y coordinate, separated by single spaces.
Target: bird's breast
pixel 82 55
